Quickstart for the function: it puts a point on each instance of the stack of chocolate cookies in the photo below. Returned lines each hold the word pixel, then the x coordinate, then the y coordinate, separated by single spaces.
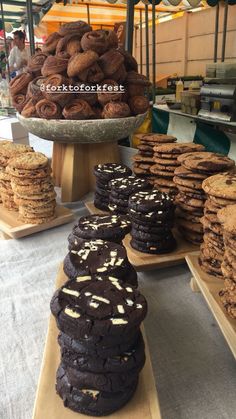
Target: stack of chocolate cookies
pixel 120 191
pixel 31 182
pixel 99 257
pixel 102 349
pixel 220 190
pixel 9 150
pixel 227 218
pixel 194 169
pixel 106 227
pixel 152 217
pixel 104 173
pixel 166 161
pixel 143 160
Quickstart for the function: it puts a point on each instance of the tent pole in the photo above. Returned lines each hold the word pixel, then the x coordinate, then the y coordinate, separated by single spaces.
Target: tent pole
pixel 153 52
pixel 216 32
pixel 30 25
pixel 147 40
pixel 141 42
pixel 224 30
pixel 5 40
pixel 129 26
pixel 88 14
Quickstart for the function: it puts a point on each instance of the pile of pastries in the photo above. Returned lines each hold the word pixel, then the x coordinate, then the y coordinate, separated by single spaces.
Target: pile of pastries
pixel 77 58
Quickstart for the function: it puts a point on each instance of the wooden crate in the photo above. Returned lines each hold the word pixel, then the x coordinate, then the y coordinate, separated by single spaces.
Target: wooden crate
pixel 210 287
pixel 10 226
pixel 144 261
pixel 48 405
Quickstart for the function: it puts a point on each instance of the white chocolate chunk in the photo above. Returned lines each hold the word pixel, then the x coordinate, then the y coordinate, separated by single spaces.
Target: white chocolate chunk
pixel 118 286
pixel 71 292
pixel 113 253
pixel 93 393
pixel 85 255
pixel 103 300
pixel 128 289
pixel 113 279
pixel 118 321
pixel 71 313
pixel 129 302
pixel 119 262
pixel 120 309
pixel 93 304
pixel 139 306
pixel 83 278
pixel 87 294
pixel 102 269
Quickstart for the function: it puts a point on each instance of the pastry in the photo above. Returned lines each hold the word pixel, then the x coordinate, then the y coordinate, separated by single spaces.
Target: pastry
pixel 109 96
pixel 29 110
pixel 129 61
pixel 69 44
pixel 95 41
pixel 36 63
pixel 51 42
pixel 81 62
pixel 138 104
pixel 35 88
pixel 78 109
pixel 19 101
pixel 92 74
pixel 54 65
pixel 19 83
pixel 115 110
pixel 53 89
pixel 48 109
pixel 110 62
pixel 78 27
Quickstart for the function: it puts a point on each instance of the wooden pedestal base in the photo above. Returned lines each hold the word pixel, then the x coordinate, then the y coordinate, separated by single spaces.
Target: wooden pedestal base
pixel 72 166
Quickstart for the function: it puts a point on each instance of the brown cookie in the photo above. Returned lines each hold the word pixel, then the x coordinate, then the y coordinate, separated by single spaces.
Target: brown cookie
pixel 221 202
pixel 207 162
pixel 196 193
pixel 34 174
pixel 215 227
pixel 159 167
pixel 50 195
pixel 29 161
pixel 211 244
pixel 40 220
pixel 210 267
pixel 191 226
pixel 165 162
pixel 186 215
pixel 29 190
pixel 210 207
pixel 32 203
pixel 210 253
pixel 164 182
pixel 188 200
pixel 194 210
pixel 190 236
pixel 157 138
pixel 141 159
pixel 182 172
pixel 178 148
pixel 222 185
pixel 145 147
pixel 193 183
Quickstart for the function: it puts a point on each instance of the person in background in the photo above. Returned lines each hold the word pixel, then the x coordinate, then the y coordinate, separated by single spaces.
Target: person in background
pixel 18 56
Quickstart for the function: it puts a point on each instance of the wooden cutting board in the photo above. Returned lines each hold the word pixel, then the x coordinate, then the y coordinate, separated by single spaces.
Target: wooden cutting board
pixel 48 405
pixel 15 229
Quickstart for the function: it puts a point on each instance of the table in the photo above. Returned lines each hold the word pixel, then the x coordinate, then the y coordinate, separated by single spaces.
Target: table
pixel 194 370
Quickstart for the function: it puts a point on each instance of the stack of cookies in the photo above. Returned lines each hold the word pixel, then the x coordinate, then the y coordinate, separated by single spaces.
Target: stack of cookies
pixel 97 257
pixel 194 169
pixel 9 150
pixel 102 349
pixel 220 190
pixel 104 173
pixel 31 182
pixel 152 217
pixel 106 227
pixel 227 218
pixel 166 161
pixel 121 189
pixel 143 160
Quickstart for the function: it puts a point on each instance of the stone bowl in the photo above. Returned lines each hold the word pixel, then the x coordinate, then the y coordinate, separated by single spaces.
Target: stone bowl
pixel 86 131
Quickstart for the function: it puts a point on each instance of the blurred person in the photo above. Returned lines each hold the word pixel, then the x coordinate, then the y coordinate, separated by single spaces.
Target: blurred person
pixel 18 57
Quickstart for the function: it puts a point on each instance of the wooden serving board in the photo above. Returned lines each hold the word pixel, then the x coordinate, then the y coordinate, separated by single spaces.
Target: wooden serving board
pixel 48 405
pixel 210 287
pixel 144 261
pixel 15 229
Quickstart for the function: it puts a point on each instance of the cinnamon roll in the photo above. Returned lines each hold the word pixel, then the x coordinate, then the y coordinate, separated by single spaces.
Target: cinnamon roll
pixel 138 104
pixel 19 101
pixel 53 89
pixel 129 60
pixel 111 37
pixel 90 97
pixel 35 88
pixel 36 62
pixel 80 62
pixel 110 62
pixel 120 75
pixel 20 83
pixel 48 110
pixel 63 54
pixel 29 110
pixel 79 28
pixel 70 44
pixel 51 43
pixel 54 65
pixel 97 112
pixel 136 83
pixel 92 74
pixel 95 41
pixel 115 110
pixel 109 96
pixel 78 109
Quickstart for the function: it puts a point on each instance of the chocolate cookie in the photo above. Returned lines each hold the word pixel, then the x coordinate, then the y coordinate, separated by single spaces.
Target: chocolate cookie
pixel 129 185
pixel 110 171
pixel 161 168
pixel 178 148
pixel 89 401
pixel 165 162
pixel 222 185
pixel 147 201
pixel 184 173
pixel 97 308
pixel 157 138
pixel 167 245
pixel 104 227
pixel 207 162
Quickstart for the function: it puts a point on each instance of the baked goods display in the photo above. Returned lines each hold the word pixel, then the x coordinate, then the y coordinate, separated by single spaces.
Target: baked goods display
pixel 104 173
pixel 227 218
pixel 152 217
pixel 120 191
pixel 105 227
pixel 220 190
pixel 102 349
pixel 9 150
pixel 166 161
pixel 143 160
pixel 188 177
pixel 99 256
pixel 71 61
pixel 33 188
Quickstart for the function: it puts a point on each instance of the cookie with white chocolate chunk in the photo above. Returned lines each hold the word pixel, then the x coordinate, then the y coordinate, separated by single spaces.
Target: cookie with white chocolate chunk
pixel 98 307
